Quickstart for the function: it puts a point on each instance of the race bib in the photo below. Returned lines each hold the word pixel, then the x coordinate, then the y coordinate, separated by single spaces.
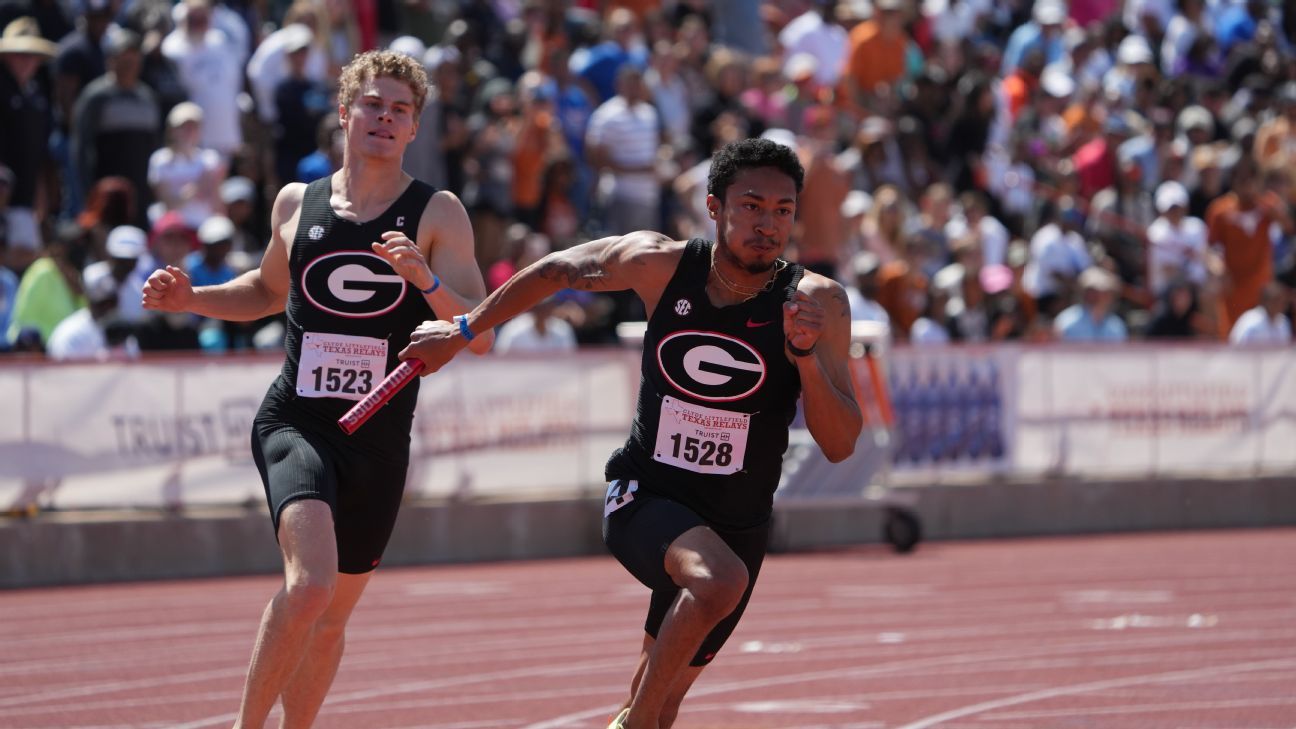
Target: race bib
pixel 701 439
pixel 340 365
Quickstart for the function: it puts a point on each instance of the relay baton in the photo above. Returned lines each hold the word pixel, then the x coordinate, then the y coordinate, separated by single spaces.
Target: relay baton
pixel 404 373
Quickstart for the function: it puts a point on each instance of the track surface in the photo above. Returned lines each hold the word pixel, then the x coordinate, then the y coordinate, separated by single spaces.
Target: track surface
pixel 1186 630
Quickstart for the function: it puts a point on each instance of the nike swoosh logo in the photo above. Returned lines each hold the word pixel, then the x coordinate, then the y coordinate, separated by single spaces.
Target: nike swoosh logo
pixel 753 324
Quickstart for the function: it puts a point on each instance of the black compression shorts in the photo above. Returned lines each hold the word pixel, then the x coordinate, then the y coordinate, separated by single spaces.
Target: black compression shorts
pixel 363 488
pixel 639 529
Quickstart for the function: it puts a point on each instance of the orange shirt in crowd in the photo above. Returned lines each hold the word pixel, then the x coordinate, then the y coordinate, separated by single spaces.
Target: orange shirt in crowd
pixel 873 58
pixel 821 231
pixel 901 291
pixel 1248 256
pixel 1017 89
pixel 529 160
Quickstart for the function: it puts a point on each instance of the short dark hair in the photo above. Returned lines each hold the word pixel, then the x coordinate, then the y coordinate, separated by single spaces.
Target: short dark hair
pixel 746 154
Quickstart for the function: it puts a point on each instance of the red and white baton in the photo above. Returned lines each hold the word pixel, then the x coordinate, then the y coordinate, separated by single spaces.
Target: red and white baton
pixel 404 374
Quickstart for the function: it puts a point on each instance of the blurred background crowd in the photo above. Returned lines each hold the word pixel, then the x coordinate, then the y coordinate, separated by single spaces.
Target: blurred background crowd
pixel 976 170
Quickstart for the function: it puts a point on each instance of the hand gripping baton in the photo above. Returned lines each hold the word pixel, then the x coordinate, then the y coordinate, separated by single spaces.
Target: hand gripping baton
pixel 404 373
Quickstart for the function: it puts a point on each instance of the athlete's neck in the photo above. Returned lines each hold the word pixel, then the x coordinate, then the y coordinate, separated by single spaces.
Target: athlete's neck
pixel 363 189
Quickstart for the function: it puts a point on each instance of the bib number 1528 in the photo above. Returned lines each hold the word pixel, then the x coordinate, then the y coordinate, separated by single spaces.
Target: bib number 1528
pixel 701 439
pixel 700 451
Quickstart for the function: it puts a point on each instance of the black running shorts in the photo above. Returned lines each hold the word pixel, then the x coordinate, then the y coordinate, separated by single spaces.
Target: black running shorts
pixel 363 487
pixel 638 529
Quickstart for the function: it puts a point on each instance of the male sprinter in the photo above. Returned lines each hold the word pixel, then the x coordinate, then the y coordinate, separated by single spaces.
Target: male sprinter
pixel 349 258
pixel 734 335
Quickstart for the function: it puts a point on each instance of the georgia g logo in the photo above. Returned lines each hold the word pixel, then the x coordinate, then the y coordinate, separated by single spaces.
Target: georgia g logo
pixel 710 366
pixel 354 284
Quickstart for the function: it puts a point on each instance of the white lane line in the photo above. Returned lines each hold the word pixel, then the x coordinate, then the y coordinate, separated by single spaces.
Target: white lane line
pixel 1054 692
pixel 1035 650
pixel 1177 706
pixel 434 684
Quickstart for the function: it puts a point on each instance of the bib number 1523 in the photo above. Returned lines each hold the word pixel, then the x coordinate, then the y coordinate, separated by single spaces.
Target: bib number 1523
pixel 342 380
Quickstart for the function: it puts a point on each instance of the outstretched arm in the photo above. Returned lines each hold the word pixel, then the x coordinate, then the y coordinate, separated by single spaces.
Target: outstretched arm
pixel 643 261
pixel 251 296
pixel 818 319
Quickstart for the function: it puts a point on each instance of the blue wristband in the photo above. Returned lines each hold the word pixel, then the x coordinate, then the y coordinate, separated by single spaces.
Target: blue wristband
pixel 436 284
pixel 463 328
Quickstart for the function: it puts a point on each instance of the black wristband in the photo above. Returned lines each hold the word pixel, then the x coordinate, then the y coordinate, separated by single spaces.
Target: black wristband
pixel 797 351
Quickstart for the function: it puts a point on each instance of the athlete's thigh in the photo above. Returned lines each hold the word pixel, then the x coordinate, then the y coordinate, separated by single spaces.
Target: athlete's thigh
pixel 640 532
pixel 294 464
pixel 370 488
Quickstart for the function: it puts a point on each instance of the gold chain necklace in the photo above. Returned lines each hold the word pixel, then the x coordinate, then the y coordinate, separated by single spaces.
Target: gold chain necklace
pixel 748 292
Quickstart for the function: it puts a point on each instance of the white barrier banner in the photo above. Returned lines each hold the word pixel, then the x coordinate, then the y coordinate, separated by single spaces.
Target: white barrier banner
pixel 177 432
pixel 150 434
pixel 1152 411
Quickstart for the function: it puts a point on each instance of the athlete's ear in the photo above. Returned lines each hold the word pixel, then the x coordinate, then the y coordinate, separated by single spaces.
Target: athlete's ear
pixel 342 115
pixel 713 206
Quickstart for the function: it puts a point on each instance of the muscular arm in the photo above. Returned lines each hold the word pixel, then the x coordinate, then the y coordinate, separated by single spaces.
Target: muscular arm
pixel 453 260
pixel 642 261
pixel 828 394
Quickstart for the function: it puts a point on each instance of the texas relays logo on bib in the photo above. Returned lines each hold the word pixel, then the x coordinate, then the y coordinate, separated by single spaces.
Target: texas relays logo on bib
pixel 353 284
pixel 710 366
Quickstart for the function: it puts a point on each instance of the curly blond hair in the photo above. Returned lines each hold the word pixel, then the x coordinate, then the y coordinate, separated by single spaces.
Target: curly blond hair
pixel 375 64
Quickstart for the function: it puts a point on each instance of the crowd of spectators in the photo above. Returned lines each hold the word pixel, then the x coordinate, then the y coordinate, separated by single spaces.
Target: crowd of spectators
pixel 976 170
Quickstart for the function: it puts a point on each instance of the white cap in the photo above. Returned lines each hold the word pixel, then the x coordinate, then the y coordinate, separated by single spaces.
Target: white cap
pixel 1057 83
pixel 410 46
pixel 1049 12
pixel 800 65
pixel 185 111
pixel 857 202
pixel 297 37
pixel 1170 194
pixel 237 188
pixel 1134 49
pixel 216 229
pixel 1098 279
pixel 437 55
pixel 100 288
pixel 1195 117
pixel 781 136
pixel 126 241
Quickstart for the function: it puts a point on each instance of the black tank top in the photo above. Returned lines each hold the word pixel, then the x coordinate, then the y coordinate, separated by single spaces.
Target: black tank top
pixel 716 398
pixel 339 286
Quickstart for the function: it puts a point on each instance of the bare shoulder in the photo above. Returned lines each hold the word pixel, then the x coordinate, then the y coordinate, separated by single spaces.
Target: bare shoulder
pixel 648 249
pixel 444 203
pixel 288 201
pixel 284 214
pixel 830 294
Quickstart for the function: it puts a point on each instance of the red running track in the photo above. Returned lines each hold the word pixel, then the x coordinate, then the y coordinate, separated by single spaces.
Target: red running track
pixel 1185 630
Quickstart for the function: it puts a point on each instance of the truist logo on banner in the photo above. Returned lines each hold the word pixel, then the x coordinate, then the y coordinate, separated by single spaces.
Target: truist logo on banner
pixel 710 366
pixel 353 284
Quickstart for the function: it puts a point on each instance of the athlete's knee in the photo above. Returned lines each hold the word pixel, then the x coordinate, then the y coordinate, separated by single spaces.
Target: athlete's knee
pixel 718 589
pixel 307 597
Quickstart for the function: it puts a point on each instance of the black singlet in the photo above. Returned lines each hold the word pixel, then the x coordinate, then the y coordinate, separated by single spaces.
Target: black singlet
pixel 339 286
pixel 710 368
